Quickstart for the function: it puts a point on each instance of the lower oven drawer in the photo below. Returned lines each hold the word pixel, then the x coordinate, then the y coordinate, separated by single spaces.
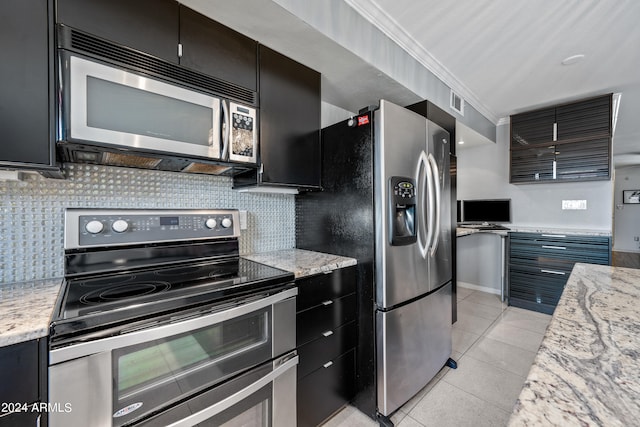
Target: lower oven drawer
pixel 326 390
pixel 122 379
pixel 262 397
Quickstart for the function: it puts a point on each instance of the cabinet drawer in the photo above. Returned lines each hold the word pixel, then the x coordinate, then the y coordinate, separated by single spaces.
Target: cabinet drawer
pixel 326 390
pixel 328 346
pixel 315 290
pixel 325 317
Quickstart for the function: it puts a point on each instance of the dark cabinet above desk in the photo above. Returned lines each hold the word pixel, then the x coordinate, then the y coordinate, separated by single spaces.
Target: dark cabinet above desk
pixel 570 142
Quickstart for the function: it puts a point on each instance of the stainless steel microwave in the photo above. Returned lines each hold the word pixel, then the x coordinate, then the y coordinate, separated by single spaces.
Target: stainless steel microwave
pixel 118 109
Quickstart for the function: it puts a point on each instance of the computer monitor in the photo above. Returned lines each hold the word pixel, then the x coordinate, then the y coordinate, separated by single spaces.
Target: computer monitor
pixel 491 211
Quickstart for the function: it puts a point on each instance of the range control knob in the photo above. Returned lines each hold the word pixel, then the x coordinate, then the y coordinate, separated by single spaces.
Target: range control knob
pixel 211 223
pixel 226 223
pixel 120 226
pixel 94 227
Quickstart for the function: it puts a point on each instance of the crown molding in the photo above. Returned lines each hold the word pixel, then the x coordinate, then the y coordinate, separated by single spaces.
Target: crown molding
pixel 503 121
pixel 372 12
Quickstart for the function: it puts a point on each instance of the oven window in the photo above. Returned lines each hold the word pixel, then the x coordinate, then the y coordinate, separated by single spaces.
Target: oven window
pixel 123 108
pixel 163 371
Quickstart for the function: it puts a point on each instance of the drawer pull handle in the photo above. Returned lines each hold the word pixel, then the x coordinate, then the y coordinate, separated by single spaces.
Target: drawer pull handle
pixel 554 247
pixel 327 334
pixel 561 273
pixel 326 365
pixel 554 235
pixel 328 302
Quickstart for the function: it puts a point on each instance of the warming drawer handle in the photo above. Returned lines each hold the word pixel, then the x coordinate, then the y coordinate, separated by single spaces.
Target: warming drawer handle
pixel 554 247
pixel 327 333
pixel 326 365
pixel 327 302
pixel 561 273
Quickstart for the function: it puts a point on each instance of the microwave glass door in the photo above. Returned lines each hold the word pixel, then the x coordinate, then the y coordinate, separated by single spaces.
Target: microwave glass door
pixel 165 370
pixel 114 106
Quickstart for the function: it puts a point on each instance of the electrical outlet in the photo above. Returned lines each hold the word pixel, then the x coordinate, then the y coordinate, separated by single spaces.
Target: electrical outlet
pixel 574 205
pixel 243 220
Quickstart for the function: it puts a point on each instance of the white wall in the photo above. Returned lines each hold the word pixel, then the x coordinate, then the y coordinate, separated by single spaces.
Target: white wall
pixel 626 217
pixel 483 173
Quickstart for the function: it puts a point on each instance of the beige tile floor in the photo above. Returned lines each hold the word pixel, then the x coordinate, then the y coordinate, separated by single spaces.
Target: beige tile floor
pixel 494 346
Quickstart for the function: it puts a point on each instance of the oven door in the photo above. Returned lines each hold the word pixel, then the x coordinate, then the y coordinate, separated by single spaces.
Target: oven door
pixel 121 379
pixel 109 105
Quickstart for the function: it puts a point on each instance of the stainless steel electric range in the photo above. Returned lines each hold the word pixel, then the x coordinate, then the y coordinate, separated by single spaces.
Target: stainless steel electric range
pixel 161 322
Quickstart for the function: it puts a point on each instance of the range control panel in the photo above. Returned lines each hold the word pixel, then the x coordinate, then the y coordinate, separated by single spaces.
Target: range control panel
pixel 114 227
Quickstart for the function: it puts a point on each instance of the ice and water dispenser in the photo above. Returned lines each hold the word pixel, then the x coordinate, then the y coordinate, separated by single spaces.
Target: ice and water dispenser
pixel 402 204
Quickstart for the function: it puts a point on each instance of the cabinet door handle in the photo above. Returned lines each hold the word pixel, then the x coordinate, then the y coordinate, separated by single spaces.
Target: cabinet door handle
pixel 553 247
pixel 327 333
pixel 328 302
pixel 326 365
pixel 554 235
pixel 561 273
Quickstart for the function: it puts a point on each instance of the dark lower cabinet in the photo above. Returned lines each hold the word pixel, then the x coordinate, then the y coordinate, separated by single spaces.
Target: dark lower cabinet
pixel 23 383
pixel 326 340
pixel 540 265
pixel 26 85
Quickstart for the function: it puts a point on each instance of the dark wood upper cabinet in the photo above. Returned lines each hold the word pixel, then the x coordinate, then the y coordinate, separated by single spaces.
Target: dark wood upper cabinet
pixel 569 142
pixel 26 85
pixel 151 26
pixel 216 50
pixel 289 124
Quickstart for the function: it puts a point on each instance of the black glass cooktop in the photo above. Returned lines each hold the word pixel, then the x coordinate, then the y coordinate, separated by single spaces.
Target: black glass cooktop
pixel 99 301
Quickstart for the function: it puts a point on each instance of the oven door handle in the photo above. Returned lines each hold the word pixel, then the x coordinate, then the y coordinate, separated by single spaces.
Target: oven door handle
pixel 235 398
pixel 160 332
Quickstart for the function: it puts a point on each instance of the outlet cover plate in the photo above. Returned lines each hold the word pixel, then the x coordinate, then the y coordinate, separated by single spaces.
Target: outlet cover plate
pixel 574 205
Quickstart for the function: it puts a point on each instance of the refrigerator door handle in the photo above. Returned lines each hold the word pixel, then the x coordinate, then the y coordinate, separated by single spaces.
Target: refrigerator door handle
pixel 422 168
pixel 431 205
pixel 436 185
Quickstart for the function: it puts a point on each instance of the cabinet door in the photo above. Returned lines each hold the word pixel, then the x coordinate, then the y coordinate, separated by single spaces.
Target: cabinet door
pixel 289 121
pixel 535 127
pixel 150 26
pixel 584 160
pixel 532 164
pixel 26 79
pixel 216 50
pixel 584 119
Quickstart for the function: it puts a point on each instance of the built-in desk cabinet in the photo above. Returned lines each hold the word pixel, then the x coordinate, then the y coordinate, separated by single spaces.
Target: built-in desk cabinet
pixel 326 341
pixel 540 265
pixel 569 142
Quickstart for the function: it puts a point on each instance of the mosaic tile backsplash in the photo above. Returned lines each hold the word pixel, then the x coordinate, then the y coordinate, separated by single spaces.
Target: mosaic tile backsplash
pixel 32 211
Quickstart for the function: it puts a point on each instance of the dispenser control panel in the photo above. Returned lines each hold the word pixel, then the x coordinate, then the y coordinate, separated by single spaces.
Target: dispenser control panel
pixel 402 211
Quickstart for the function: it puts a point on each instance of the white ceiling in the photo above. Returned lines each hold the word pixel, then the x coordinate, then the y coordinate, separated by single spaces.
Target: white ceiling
pixel 502 56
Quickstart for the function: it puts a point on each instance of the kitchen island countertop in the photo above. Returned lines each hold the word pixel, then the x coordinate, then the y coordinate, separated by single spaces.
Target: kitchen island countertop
pixel 587 370
pixel 26 309
pixel 302 262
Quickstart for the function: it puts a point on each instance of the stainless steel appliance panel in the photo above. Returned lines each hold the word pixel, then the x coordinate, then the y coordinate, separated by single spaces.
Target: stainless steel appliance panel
pixel 400 138
pixel 440 253
pixel 117 107
pixel 414 342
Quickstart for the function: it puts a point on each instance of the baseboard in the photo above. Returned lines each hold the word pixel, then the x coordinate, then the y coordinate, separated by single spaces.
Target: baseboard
pixel 478 287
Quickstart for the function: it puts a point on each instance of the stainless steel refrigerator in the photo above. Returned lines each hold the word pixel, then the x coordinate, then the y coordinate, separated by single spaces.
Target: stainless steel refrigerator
pixel 386 202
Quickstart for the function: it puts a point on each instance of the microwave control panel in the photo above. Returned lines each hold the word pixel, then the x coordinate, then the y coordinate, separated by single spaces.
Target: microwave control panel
pixel 243 138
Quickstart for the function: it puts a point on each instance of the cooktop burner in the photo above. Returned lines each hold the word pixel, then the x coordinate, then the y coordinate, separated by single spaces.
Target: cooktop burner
pixel 116 292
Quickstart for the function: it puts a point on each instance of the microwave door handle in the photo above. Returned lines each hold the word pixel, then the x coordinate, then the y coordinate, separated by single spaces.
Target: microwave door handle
pixel 226 131
pixel 421 190
pixel 235 398
pixel 436 186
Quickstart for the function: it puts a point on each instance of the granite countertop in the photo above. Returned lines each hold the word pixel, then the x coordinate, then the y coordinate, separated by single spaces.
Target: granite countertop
pixel 302 262
pixel 465 231
pixel 26 309
pixel 587 370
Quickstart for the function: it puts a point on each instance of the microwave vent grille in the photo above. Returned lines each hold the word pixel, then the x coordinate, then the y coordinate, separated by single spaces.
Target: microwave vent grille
pixel 141 61
pixel 129 160
pixel 207 169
